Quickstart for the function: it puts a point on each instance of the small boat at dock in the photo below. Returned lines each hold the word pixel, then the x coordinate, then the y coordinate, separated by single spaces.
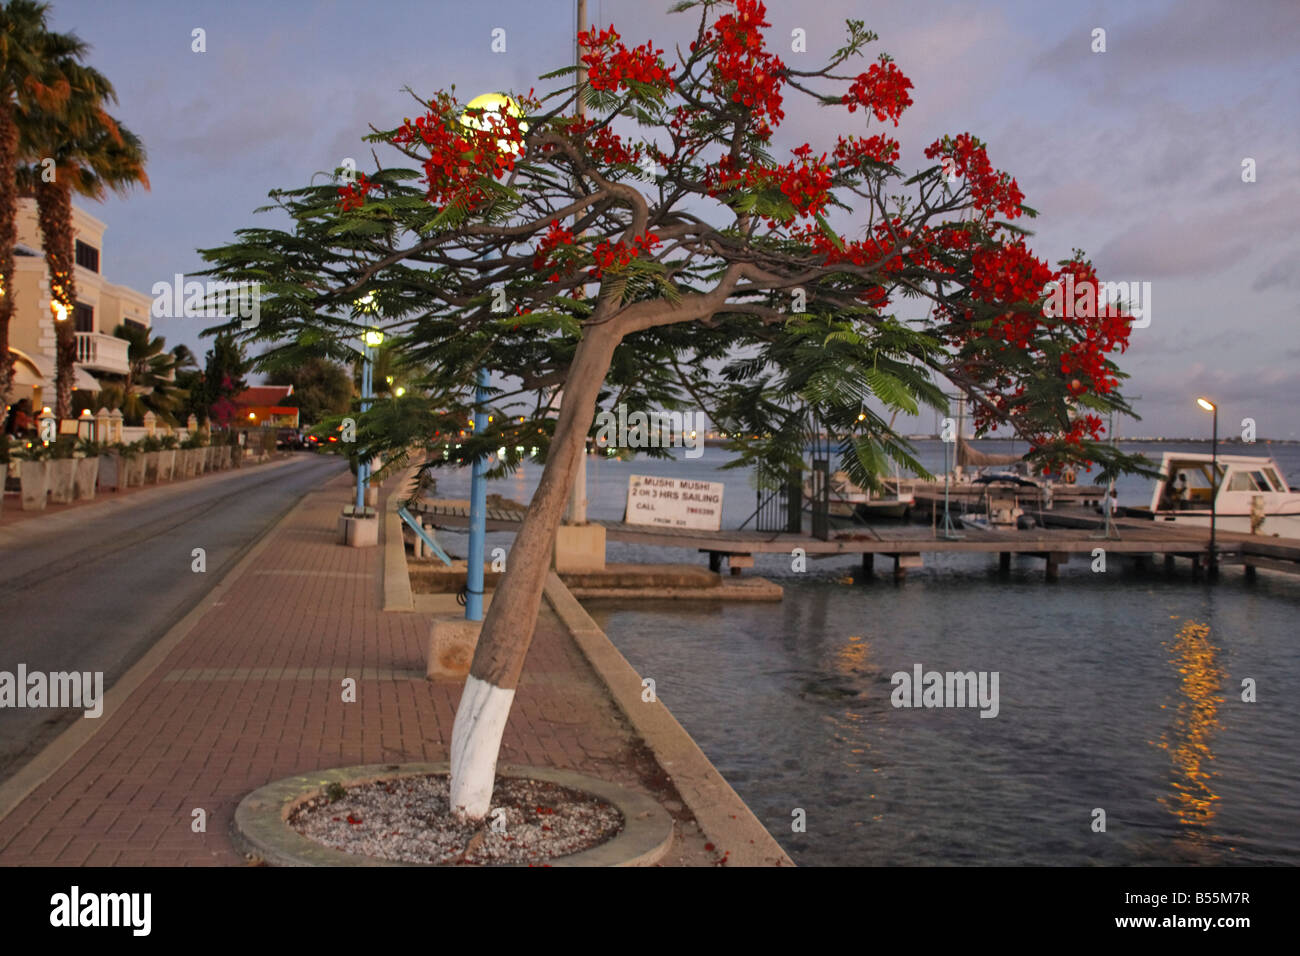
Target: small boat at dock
pixel 1253 497
pixel 849 503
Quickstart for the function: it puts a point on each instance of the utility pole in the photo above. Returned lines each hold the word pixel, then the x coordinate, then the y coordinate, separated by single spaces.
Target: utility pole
pixel 577 510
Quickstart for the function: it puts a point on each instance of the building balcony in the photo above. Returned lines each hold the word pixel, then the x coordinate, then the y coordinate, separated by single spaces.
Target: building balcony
pixel 97 352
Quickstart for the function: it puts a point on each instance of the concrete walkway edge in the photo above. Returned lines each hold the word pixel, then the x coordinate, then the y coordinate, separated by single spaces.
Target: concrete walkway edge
pixel 721 813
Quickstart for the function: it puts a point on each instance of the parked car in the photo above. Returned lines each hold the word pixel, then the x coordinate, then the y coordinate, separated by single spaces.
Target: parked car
pixel 289 438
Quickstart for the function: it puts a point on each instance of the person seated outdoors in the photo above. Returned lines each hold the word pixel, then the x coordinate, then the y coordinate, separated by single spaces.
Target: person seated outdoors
pixel 19 423
pixel 1176 492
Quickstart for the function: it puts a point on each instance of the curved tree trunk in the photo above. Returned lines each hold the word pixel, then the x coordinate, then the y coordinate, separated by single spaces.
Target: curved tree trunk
pixel 54 209
pixel 511 618
pixel 8 236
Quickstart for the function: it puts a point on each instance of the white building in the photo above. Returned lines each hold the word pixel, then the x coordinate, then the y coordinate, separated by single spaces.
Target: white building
pixel 100 308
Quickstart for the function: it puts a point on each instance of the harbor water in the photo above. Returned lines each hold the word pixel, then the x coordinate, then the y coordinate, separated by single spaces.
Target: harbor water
pixel 1141 718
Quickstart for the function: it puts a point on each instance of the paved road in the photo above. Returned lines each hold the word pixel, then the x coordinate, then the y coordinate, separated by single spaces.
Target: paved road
pixel 98 597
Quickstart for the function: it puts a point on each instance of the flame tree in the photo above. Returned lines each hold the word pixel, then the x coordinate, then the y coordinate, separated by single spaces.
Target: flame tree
pixel 664 251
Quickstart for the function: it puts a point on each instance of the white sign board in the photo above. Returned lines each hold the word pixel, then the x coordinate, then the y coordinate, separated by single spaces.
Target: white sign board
pixel 674 503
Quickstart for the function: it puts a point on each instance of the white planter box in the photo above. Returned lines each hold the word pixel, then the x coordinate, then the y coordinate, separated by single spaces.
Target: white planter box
pixel 87 476
pixel 35 484
pixel 134 471
pixel 110 472
pixel 62 474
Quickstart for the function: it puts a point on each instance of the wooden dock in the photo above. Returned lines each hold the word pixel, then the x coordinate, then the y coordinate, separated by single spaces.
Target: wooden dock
pixel 1139 540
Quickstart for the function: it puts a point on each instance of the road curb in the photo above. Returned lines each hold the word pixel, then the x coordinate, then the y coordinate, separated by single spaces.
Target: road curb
pixel 261 827
pixel 60 750
pixel 397 578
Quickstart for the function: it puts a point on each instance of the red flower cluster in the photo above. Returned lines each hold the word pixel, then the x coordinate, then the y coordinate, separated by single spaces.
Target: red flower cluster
pixel 853 151
pixel 606 146
pixel 1090 425
pixel 1105 331
pixel 805 181
pixel 618 254
pixel 745 70
pixel 556 235
pixel 882 90
pixel 989 188
pixel 610 64
pixel 458 154
pixel 1008 274
pixel 353 196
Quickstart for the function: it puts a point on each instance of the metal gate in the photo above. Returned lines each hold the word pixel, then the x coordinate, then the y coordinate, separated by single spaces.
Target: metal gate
pixel 780 503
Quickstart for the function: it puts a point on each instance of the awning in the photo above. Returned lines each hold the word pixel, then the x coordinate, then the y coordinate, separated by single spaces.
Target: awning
pixel 36 371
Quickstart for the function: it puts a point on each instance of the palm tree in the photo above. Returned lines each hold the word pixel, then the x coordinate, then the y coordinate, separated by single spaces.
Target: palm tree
pixel 92 153
pixel 149 383
pixel 31 83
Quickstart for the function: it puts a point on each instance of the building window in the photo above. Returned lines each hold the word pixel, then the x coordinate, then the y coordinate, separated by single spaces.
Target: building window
pixel 84 317
pixel 87 256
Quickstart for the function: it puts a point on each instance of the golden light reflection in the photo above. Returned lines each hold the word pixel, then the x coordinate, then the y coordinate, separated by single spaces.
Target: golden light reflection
pixel 1196 718
pixel 851 658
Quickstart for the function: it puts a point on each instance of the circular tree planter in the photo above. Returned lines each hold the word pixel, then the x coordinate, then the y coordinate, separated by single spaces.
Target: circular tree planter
pixel 262 829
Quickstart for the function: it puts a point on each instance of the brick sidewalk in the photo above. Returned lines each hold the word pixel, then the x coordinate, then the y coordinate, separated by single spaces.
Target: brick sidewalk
pixel 254 693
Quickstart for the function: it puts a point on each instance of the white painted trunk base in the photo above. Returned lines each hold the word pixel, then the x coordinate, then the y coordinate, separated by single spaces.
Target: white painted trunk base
pixel 475 744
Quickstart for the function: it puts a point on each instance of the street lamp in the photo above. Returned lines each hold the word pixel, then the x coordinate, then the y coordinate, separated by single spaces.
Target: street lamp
pixel 371 340
pixel 1209 406
pixel 488 102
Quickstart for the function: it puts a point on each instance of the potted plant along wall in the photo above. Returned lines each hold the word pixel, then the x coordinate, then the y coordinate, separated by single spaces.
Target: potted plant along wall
pixel 132 464
pixel 167 458
pixel 33 476
pixel 151 452
pixel 110 468
pixel 87 456
pixel 188 457
pixel 61 471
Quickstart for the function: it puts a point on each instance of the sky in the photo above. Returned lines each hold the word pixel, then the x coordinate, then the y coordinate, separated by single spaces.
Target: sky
pixel 1134 154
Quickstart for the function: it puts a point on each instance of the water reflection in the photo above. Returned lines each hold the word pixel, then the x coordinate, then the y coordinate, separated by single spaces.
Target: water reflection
pixel 1196 719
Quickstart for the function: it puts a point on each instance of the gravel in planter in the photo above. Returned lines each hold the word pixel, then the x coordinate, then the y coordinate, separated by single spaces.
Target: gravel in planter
pixel 408 819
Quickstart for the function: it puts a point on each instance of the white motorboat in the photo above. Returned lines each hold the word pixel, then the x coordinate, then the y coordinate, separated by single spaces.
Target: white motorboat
pixel 1253 496
pixel 847 501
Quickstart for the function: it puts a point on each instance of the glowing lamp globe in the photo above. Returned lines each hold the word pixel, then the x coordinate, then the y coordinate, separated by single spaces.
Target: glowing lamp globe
pixel 494 103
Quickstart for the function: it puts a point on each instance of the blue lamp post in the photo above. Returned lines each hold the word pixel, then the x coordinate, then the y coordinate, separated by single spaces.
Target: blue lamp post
pixel 372 339
pixel 472 118
pixel 477 508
